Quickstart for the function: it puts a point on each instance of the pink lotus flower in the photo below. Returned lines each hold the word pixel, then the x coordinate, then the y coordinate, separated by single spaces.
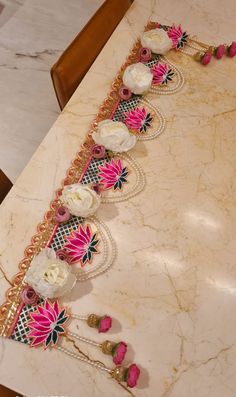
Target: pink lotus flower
pixel 113 174
pixel 81 245
pixel 138 120
pixel 162 74
pixel 104 324
pixel 47 324
pixel 220 50
pixel 119 353
pixel 29 296
pixel 206 58
pixel 98 151
pixel 178 37
pixel 232 49
pixel 132 375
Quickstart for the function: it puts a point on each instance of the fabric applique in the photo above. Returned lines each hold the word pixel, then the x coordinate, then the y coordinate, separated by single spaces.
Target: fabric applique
pixel 47 324
pixel 81 245
pixel 162 74
pixel 113 175
pixel 178 37
pixel 138 119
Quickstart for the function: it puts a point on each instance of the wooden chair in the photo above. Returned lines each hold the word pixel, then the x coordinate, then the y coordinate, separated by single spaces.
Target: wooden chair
pixel 75 61
pixel 4 392
pixel 5 186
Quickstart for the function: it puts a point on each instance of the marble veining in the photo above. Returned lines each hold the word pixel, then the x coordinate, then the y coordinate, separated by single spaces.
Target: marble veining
pixel 172 289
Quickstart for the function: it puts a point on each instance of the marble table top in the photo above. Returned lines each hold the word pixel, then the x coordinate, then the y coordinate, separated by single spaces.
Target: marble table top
pixel 31 41
pixel 173 285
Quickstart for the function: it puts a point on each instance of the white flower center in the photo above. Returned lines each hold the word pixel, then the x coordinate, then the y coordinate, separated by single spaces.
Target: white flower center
pixel 164 76
pixel 52 326
pixel 157 36
pixel 86 247
pixel 55 274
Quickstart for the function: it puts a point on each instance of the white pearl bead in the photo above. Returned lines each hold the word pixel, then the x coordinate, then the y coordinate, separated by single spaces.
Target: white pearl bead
pixel 82 339
pixel 84 359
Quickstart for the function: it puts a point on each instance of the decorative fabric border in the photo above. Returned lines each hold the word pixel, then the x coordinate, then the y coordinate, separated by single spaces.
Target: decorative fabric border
pixel 11 309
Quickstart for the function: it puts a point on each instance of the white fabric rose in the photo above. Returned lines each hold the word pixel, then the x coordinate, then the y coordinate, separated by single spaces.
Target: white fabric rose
pixel 80 199
pixel 114 135
pixel 157 40
pixel 49 276
pixel 138 78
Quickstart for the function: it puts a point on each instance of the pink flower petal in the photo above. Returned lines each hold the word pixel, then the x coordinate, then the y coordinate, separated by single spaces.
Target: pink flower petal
pixel 112 167
pixel 109 173
pixel 135 118
pixel 175 33
pixel 119 166
pixel 144 113
pixel 35 334
pixel 88 232
pixel 50 309
pixel 46 313
pixel 38 340
pixel 74 248
pixel 77 239
pixel 107 185
pixel 78 243
pixel 39 318
pixel 75 242
pixel 76 257
pixel 39 332
pixel 159 72
pixel 77 236
pixel 38 327
pixel 107 177
pixel 84 234
pixel 56 308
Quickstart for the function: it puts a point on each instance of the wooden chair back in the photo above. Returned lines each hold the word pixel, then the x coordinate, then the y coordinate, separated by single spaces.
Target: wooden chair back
pixel 4 392
pixel 5 186
pixel 76 60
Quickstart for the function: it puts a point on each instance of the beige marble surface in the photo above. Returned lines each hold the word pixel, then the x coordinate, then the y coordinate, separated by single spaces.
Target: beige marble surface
pixel 173 286
pixel 33 34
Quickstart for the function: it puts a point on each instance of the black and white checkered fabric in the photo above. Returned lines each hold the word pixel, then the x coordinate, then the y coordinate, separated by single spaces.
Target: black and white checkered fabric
pixel 91 175
pixel 124 107
pixel 65 230
pixel 21 330
pixel 153 61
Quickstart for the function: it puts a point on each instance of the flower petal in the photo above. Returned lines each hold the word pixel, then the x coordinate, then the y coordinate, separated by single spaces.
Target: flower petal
pixel 40 319
pixel 34 334
pixel 38 327
pixel 38 340
pixel 46 313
